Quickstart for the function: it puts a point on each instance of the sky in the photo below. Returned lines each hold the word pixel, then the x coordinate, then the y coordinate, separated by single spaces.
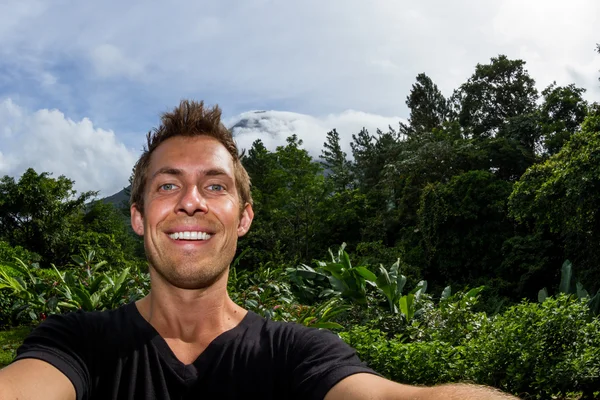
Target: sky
pixel 82 82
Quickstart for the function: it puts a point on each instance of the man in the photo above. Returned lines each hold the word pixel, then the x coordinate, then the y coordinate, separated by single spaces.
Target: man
pixel 187 339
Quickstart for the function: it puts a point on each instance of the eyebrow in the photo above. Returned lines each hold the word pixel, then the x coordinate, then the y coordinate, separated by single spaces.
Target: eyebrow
pixel 167 171
pixel 179 172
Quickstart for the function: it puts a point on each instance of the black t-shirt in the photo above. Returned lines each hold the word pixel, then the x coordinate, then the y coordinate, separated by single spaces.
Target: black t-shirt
pixel 117 354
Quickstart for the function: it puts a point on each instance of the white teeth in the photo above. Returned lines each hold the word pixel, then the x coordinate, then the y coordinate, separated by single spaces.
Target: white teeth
pixel 189 235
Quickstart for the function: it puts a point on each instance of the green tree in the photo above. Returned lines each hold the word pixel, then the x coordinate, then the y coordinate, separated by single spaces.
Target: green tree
pixel 39 213
pixel 287 187
pixel 561 113
pixel 464 224
pixel 336 163
pixel 428 107
pixel 105 230
pixel 562 195
pixel 363 152
pixel 496 92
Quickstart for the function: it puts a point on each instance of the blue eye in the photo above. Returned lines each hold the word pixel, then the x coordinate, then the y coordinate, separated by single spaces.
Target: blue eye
pixel 167 186
pixel 215 187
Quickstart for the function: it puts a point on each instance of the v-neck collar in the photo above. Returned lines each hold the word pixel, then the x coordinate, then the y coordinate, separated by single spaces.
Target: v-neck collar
pixel 189 372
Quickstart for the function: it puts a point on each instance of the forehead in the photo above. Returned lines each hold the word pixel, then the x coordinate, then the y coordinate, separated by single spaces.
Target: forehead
pixel 191 154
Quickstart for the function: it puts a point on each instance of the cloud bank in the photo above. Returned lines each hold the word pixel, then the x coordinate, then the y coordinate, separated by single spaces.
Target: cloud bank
pixel 96 159
pixel 273 127
pixel 48 141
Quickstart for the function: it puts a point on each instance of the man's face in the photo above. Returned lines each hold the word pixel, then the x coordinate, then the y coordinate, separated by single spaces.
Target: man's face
pixel 191 219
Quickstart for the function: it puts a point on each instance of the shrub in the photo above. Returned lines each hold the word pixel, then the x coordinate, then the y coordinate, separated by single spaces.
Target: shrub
pixel 424 363
pixel 9 253
pixel 544 349
pixel 538 351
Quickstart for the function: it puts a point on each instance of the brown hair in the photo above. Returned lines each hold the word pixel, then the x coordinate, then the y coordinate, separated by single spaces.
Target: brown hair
pixel 190 119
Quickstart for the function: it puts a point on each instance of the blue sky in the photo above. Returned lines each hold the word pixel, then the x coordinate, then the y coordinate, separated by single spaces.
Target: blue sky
pixel 81 82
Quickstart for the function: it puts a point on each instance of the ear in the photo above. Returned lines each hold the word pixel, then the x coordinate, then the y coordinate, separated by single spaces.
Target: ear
pixel 245 220
pixel 137 220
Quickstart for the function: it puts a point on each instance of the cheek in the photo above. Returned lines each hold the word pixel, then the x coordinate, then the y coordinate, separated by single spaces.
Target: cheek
pixel 155 213
pixel 227 211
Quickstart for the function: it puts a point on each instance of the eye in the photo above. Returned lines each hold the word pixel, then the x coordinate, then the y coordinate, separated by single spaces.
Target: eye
pixel 167 187
pixel 216 187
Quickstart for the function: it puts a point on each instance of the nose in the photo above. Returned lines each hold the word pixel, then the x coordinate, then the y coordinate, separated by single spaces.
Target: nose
pixel 192 201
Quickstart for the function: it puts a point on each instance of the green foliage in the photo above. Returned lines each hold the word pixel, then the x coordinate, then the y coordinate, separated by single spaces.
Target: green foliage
pixel 267 292
pixel 562 195
pixel 428 107
pixel 454 321
pixel 562 113
pixel 39 212
pixel 349 281
pixel 264 291
pixel 568 287
pixel 287 188
pixel 38 295
pixel 422 363
pixel 334 160
pixel 10 340
pixel 494 93
pixel 464 224
pixel 540 349
pixel 8 254
pixel 535 351
pixel 391 283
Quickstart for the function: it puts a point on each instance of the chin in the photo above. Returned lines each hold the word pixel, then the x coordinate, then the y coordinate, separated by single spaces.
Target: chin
pixel 191 278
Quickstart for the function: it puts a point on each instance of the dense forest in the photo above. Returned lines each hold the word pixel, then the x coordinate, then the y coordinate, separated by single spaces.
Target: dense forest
pixel 496 185
pixel 494 188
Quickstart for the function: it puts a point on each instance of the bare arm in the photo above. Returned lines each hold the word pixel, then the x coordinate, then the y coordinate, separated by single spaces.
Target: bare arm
pixel 31 379
pixel 372 387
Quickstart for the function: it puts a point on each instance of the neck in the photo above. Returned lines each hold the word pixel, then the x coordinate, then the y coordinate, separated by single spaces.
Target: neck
pixel 190 316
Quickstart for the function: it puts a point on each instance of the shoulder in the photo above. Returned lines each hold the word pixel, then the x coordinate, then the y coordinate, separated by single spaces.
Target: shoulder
pixel 75 333
pixel 313 360
pixel 78 323
pixel 293 335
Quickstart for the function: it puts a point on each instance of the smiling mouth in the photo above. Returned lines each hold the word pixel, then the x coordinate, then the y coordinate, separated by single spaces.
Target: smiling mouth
pixel 190 235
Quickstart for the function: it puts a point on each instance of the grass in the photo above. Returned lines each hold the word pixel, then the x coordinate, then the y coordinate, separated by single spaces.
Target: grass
pixel 9 341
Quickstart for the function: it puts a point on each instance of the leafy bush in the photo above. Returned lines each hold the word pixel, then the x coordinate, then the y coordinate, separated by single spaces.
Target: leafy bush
pixel 453 321
pixel 10 340
pixel 37 293
pixel 540 349
pixel 426 363
pixel 9 253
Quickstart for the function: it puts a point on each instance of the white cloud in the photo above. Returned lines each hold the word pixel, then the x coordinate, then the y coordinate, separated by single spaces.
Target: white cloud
pixel 318 57
pixel 48 141
pixel 109 61
pixel 556 39
pixel 273 127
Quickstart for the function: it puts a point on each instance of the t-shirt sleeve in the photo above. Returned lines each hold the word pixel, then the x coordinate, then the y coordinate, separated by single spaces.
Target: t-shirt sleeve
pixel 322 360
pixel 59 341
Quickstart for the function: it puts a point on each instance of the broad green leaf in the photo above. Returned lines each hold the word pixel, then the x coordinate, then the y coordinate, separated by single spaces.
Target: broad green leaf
pixel 581 292
pixel 95 285
pixel 565 277
pixel 400 283
pixel 345 260
pixel 446 293
pixel 251 304
pixel 365 273
pixel 83 299
pixel 542 295
pixel 594 304
pixel 52 303
pixel 474 292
